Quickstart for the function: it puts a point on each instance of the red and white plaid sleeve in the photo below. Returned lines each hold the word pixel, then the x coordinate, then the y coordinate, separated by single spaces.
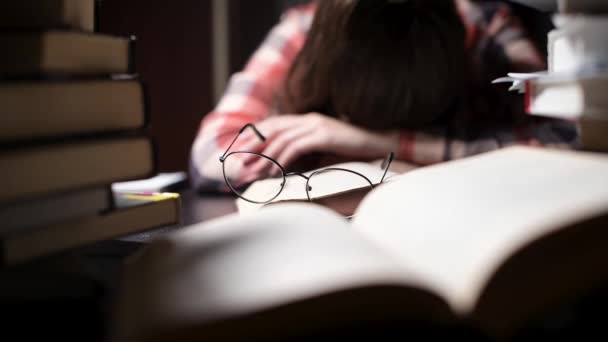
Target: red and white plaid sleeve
pixel 249 97
pixel 426 148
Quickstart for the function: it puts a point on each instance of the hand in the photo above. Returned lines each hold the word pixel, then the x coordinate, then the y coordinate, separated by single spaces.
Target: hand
pixel 292 136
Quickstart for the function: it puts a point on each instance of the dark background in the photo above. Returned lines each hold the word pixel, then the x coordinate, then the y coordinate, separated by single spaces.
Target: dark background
pixel 172 56
pixel 250 22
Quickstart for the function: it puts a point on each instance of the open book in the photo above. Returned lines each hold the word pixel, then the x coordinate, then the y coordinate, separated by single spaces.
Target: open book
pixel 496 242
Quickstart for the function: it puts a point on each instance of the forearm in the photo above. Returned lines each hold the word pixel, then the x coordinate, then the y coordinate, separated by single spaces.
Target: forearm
pixel 248 98
pixel 430 147
pixel 376 145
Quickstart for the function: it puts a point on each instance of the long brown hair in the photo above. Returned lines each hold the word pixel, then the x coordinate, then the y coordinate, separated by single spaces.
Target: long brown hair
pixel 381 64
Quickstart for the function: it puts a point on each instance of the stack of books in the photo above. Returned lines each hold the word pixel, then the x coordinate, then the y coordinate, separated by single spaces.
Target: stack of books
pixel 575 85
pixel 72 122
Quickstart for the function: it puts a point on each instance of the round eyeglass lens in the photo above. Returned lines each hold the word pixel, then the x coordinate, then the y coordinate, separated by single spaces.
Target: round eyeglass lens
pixel 332 181
pixel 241 169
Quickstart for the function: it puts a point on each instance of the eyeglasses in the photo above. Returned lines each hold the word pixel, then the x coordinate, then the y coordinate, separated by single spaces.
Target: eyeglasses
pixel 265 167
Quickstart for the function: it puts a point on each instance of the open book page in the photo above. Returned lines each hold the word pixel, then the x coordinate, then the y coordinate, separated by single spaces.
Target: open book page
pixel 323 185
pixel 455 223
pixel 247 263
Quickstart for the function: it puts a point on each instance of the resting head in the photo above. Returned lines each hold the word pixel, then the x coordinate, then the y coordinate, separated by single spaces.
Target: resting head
pixel 381 64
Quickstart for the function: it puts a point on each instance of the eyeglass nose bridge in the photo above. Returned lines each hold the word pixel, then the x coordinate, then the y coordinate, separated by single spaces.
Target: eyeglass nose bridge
pixel 297 174
pixel 371 184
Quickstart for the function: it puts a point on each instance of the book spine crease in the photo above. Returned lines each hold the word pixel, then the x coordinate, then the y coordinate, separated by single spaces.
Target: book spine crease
pixel 131 67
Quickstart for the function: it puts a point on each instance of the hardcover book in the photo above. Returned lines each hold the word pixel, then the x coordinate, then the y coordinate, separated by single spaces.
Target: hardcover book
pixel 131 214
pixel 493 242
pixel 57 52
pixel 35 110
pixel 32 171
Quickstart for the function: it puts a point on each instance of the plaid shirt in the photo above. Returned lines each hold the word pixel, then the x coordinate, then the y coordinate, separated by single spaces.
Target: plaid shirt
pixel 250 95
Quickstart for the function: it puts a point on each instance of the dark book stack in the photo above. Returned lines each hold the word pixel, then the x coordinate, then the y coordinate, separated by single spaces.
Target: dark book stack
pixel 72 122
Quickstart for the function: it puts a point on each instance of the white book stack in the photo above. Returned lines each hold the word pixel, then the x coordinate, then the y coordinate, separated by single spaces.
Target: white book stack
pixel 578 43
pixel 575 85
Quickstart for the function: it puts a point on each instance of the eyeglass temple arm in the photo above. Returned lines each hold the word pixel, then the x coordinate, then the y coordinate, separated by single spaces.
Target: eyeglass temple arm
pixel 297 174
pixel 386 164
pixel 255 130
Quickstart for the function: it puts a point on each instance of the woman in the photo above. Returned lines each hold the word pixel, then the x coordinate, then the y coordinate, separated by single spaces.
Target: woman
pixel 358 79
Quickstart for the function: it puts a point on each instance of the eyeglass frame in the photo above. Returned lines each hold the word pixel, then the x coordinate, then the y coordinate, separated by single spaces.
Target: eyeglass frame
pixel 385 166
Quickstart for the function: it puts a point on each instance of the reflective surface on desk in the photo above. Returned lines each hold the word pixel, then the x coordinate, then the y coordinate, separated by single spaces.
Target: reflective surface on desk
pixel 196 208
